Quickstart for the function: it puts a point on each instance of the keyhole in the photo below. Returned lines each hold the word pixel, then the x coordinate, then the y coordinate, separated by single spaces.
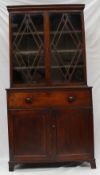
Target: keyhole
pixel 53 126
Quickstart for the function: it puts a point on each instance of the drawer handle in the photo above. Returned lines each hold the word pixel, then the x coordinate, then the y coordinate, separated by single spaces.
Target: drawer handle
pixel 71 99
pixel 28 100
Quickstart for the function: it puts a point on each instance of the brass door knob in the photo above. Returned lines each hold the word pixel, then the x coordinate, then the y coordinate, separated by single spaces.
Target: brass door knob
pixel 71 99
pixel 28 100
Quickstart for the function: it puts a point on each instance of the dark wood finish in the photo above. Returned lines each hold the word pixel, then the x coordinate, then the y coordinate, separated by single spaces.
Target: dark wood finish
pixel 50 113
pixel 73 125
pixel 55 7
pixel 93 164
pixel 83 45
pixel 11 166
pixel 47 46
pixel 48 98
pixel 57 118
pixel 33 128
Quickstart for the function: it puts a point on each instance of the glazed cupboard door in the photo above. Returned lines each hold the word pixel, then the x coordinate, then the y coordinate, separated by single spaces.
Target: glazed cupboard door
pixel 74 134
pixel 47 48
pixel 27 53
pixel 67 50
pixel 30 134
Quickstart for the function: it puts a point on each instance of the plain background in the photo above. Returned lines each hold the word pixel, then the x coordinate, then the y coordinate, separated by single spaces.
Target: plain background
pixel 92 32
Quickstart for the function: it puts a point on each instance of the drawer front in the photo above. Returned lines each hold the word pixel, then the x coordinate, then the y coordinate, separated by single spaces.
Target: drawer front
pixel 31 99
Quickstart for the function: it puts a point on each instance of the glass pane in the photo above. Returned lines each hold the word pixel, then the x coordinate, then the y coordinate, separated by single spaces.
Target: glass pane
pixel 28 48
pixel 66 47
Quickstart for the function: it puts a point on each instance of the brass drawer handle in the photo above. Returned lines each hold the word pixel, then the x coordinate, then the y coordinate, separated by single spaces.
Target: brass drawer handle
pixel 71 99
pixel 28 100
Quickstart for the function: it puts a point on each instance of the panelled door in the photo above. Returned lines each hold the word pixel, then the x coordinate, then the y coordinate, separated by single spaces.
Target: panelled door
pixel 73 133
pixel 31 134
pixel 53 134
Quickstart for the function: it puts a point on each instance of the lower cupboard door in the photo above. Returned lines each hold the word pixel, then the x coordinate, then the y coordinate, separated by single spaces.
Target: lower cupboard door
pixel 74 134
pixel 30 135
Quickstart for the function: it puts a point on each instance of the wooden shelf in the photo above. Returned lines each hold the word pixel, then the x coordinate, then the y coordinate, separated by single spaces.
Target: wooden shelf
pixel 29 67
pixel 66 50
pixel 66 32
pixel 53 51
pixel 28 33
pixel 41 33
pixel 42 67
pixel 27 52
pixel 66 66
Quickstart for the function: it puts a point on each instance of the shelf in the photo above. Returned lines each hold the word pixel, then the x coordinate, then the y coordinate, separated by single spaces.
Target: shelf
pixel 66 32
pixel 67 66
pixel 41 33
pixel 53 51
pixel 28 33
pixel 66 50
pixel 29 67
pixel 27 52
pixel 42 67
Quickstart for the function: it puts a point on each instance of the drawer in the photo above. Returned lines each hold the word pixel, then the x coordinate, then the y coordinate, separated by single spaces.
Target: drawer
pixel 20 99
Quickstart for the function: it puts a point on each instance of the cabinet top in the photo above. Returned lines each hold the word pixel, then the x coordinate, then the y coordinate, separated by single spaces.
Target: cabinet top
pixel 34 29
pixel 46 7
